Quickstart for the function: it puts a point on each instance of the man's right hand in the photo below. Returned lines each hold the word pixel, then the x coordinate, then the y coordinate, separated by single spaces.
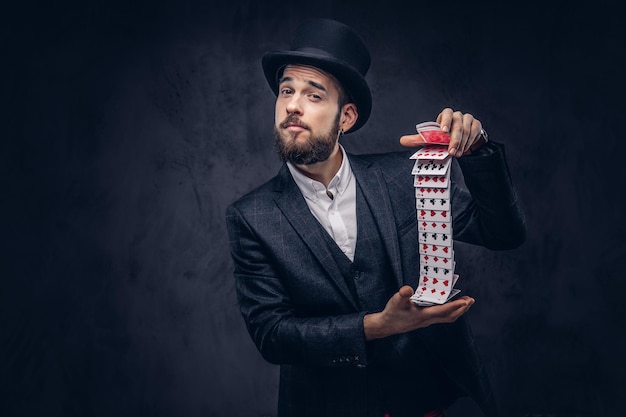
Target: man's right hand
pixel 401 315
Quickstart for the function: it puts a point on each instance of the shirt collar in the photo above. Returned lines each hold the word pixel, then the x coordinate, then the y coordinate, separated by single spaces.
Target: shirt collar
pixel 310 187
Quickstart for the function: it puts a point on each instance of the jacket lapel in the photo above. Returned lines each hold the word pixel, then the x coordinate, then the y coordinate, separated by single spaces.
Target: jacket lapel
pixel 370 178
pixel 293 206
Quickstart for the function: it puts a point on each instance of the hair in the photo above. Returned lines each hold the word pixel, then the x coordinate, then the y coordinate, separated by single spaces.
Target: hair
pixel 344 97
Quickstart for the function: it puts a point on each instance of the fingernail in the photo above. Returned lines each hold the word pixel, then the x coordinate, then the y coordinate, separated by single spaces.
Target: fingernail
pixel 452 151
pixel 444 128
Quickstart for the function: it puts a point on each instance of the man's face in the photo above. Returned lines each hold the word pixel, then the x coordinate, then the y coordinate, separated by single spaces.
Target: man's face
pixel 307 115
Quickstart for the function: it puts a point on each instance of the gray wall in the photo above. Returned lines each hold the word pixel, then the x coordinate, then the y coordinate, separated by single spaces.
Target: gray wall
pixel 128 129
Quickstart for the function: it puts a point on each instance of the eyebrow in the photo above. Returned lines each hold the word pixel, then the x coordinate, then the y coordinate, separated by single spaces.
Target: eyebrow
pixel 311 83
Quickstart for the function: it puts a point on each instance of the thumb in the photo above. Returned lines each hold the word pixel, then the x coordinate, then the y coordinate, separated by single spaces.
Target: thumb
pixel 412 140
pixel 400 300
pixel 406 291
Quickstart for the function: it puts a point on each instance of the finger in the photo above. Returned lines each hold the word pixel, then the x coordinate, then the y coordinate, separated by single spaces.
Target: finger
pixel 466 134
pixel 412 140
pixel 405 292
pixel 475 134
pixel 445 119
pixel 401 299
pixel 474 141
pixel 456 129
pixel 449 312
pixel 462 302
pixel 477 127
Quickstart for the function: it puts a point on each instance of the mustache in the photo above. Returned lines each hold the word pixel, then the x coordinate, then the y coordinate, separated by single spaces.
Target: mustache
pixel 293 120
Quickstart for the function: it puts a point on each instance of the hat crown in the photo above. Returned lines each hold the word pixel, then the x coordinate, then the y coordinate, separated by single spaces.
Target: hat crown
pixel 335 40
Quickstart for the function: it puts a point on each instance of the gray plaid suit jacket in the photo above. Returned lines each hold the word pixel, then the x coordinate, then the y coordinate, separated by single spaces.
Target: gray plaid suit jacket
pixel 300 312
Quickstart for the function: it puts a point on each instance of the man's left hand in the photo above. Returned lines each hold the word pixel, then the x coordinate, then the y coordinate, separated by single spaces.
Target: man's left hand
pixel 464 129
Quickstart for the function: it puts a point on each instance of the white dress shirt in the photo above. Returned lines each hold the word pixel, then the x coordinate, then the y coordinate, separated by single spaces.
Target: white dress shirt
pixel 337 214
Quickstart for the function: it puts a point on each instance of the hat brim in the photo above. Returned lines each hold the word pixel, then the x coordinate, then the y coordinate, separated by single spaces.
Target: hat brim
pixel 351 80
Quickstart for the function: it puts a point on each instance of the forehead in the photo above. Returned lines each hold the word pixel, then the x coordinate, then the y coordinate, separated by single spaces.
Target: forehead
pixel 307 73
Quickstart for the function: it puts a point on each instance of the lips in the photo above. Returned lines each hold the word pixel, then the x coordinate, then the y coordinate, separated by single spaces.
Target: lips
pixel 294 126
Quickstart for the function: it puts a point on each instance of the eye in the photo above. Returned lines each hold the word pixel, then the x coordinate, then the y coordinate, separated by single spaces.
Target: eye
pixel 315 97
pixel 285 91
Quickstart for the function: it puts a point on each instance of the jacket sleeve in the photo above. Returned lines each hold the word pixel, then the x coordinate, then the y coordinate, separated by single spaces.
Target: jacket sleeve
pixel 281 333
pixel 489 214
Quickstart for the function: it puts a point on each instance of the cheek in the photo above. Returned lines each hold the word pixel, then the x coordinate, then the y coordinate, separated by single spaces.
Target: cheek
pixel 326 122
pixel 280 110
pixel 277 114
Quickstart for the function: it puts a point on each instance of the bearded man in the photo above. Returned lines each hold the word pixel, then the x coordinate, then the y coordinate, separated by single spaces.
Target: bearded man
pixel 326 253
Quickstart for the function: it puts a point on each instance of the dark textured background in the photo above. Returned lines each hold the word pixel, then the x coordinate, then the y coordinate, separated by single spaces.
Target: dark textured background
pixel 128 128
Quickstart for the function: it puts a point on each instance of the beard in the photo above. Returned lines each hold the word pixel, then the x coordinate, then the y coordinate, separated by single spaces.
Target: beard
pixel 317 148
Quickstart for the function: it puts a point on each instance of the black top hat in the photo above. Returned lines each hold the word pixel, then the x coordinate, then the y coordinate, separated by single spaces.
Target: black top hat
pixel 332 47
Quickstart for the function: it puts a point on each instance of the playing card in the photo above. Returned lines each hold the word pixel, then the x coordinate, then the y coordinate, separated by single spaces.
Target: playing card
pixel 425 125
pixel 433 181
pixel 437 153
pixel 430 167
pixel 432 133
pixel 432 192
pixel 435 238
pixel 431 291
pixel 432 203
pixel 436 227
pixel 434 215
pixel 422 301
pixel 430 294
pixel 438 272
pixel 439 261
pixel 435 250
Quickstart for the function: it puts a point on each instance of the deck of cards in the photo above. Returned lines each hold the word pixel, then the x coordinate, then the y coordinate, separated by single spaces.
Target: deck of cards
pixel 431 174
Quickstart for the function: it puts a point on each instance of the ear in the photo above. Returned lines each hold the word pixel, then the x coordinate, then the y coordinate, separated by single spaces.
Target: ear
pixel 349 116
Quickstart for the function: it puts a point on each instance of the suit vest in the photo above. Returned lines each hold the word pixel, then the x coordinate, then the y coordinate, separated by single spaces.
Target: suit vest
pixel 370 278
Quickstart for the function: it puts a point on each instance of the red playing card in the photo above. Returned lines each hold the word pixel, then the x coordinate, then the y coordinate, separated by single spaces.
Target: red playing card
pixel 432 151
pixel 432 133
pixel 435 137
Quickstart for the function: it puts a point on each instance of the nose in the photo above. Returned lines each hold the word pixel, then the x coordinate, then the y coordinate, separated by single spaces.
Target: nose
pixel 293 105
